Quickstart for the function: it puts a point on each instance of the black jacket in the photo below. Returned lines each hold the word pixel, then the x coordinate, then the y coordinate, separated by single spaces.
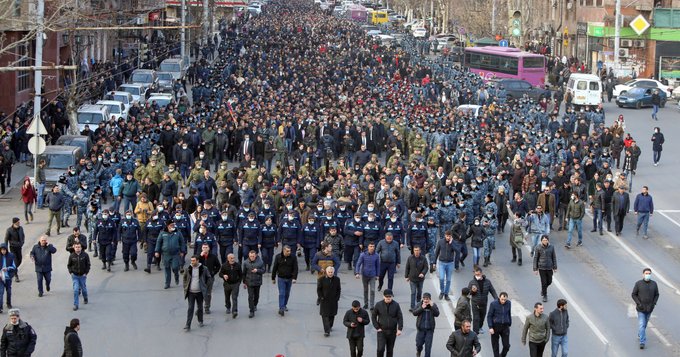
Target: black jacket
pixel 14 237
pixel 544 257
pixel 79 264
pixel 17 340
pixel 42 257
pixel 645 294
pixel 484 288
pixel 559 322
pixel 444 251
pixel 211 262
pixel 72 345
pixel 233 273
pixel 422 316
pixel 285 267
pixel 415 267
pixel 351 317
pixel 387 317
pixel 328 293
pixel 461 345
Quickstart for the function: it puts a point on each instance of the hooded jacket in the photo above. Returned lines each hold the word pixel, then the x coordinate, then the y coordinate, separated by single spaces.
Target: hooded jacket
pixel 72 345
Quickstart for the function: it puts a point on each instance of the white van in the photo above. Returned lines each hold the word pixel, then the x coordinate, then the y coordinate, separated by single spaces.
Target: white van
pixel 586 89
pixel 92 115
pixel 116 109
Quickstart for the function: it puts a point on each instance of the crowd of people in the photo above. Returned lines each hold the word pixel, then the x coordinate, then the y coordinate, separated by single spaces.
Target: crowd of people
pixel 306 137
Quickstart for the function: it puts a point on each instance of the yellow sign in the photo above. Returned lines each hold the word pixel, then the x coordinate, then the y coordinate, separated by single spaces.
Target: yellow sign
pixel 639 25
pixel 566 42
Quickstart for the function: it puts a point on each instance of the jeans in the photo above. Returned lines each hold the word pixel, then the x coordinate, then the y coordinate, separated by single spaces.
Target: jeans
pixel 643 220
pixel 500 332
pixel 284 291
pixel 79 285
pixel 424 337
pixel 386 340
pixel 579 227
pixel 356 346
pixel 116 203
pixel 657 156
pixel 416 292
pixel 445 272
pixel 556 342
pixel 536 349
pixel 41 192
pixel 597 219
pixel 6 284
pixel 655 110
pixel 195 300
pixel 369 289
pixel 390 269
pixel 475 255
pixel 47 276
pixel 231 296
pixel 643 319
pixel 535 238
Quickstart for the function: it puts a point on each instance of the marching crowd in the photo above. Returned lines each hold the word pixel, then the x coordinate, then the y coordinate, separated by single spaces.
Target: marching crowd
pixel 306 137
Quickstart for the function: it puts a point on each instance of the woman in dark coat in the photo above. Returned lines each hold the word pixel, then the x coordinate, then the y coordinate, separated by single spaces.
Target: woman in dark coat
pixel 328 294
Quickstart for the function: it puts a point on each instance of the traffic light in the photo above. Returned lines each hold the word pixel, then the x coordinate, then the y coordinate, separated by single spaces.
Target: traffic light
pixel 566 37
pixel 516 28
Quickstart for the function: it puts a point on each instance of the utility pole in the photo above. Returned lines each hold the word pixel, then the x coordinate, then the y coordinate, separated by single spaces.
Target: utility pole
pixel 183 44
pixel 206 22
pixel 617 35
pixel 493 17
pixel 37 103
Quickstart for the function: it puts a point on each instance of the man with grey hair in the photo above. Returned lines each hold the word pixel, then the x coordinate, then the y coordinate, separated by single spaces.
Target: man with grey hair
pixel 328 294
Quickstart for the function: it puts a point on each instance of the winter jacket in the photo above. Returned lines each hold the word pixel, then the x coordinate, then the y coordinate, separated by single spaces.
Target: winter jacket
pixel 414 267
pixel 351 317
pixel 645 294
pixel 233 273
pixel 499 314
pixel 536 329
pixel 18 340
pixel 426 317
pixel 387 317
pixel 444 251
pixel 576 210
pixel 544 257
pixel 368 265
pixel 14 237
pixel 643 204
pixel 72 345
pixel 484 288
pixel 328 292
pixel 559 322
pixel 463 311
pixel 203 276
pixel 130 188
pixel 285 267
pixel 250 278
pixel 55 201
pixel 388 252
pixel 78 264
pixel 462 345
pixel 42 256
pixel 116 185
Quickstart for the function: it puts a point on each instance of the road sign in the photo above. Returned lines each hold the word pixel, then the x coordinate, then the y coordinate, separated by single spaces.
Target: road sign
pixel 503 43
pixel 37 127
pixel 639 25
pixel 36 145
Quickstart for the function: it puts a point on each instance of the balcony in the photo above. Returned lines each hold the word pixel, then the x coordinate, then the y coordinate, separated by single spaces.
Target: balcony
pixel 666 18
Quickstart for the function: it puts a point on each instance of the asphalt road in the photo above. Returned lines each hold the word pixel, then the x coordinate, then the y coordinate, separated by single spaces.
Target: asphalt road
pixel 131 314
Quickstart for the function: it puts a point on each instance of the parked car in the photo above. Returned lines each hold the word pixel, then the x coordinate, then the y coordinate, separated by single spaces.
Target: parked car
pixel 116 109
pixel 138 91
pixel 443 41
pixel 91 115
pixel 82 141
pixel 255 9
pixel 120 96
pixel 639 97
pixel 641 83
pixel 419 32
pixel 175 66
pixel 162 99
pixel 469 108
pixel 517 88
pixel 165 81
pixel 58 158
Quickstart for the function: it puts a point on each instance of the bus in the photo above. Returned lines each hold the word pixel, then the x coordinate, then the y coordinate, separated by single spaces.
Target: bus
pixel 506 62
pixel 379 17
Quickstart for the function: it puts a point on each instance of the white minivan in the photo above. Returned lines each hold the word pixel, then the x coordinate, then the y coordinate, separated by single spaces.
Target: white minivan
pixel 586 89
pixel 91 115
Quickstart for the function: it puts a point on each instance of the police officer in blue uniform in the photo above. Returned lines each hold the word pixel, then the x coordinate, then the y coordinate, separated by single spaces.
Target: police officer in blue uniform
pixel 226 235
pixel 154 226
pixel 106 234
pixel 130 234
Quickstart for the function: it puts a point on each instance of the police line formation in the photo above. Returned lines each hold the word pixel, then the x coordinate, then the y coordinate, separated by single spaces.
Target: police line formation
pixel 329 145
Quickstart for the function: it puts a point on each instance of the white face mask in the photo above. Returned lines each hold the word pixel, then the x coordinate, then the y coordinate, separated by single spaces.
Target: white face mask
pixel 310 222
pixel 266 206
pixel 289 207
pixel 370 209
pixel 178 216
pixel 105 216
pixel 171 229
pixel 393 219
pixel 419 220
pixel 128 216
pixel 357 219
pixel 251 219
pixel 290 218
pixel 246 209
pixel 160 208
pixel 371 219
pixel 224 218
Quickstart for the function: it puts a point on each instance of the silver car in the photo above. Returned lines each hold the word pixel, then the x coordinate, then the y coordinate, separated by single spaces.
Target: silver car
pixel 58 158
pixel 165 81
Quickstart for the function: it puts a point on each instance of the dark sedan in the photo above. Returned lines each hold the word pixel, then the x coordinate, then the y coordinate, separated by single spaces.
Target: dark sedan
pixel 638 98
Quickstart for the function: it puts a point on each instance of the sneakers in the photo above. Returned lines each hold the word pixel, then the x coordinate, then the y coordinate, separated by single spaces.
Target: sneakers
pixel 645 237
pixel 75 307
pixel 446 297
pixel 441 296
pixel 545 298
pixel 579 244
pixel 642 346
pixel 200 324
pixel 234 315
pixel 568 246
pixel 281 312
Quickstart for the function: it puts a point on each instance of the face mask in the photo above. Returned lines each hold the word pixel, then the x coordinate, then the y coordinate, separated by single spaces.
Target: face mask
pixel 419 220
pixel 393 219
pixel 290 218
pixel 155 218
pixel 171 229
pixel 105 216
pixel 648 277
pixel 342 208
pixel 478 277
pixel 202 231
pixel 370 209
pixel 251 219
pixel 461 205
pixel 184 147
pixel 160 208
pixel 128 216
pixel 253 166
pixel 15 322
pixel 310 222
pixel 246 209
pixel 489 215
pixel 171 170
pixel 371 219
pixel 224 218
pixel 73 172
pixel 266 206
pixel 476 223
pixel 84 187
pixel 357 219
pixel 289 207
pixel 201 156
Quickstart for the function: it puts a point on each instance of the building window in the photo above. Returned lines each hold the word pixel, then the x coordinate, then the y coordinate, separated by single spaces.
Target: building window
pixel 599 3
pixel 23 60
pixel 16 8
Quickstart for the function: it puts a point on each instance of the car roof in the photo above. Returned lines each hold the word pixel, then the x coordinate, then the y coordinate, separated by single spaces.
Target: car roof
pixel 73 137
pixel 60 149
pixel 109 102
pixel 92 107
pixel 135 85
pixel 172 60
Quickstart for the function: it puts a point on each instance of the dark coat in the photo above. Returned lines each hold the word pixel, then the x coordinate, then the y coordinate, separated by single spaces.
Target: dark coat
pixel 463 311
pixel 415 267
pixel 42 256
pixel 484 288
pixel 387 317
pixel 544 257
pixel 419 312
pixel 250 278
pixel 351 317
pixel 14 237
pixel 461 345
pixel 328 293
pixel 18 340
pixel 72 345
pixel 645 294
pixel 203 276
pixel 79 264
pixel 657 141
pixel 616 204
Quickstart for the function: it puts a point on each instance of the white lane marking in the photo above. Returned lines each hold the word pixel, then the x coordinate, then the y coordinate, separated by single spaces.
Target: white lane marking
pixel 643 262
pixel 663 213
pixel 667 210
pixel 576 307
pixel 632 313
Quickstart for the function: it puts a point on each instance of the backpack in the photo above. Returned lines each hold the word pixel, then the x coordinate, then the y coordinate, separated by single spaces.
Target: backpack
pixel 517 236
